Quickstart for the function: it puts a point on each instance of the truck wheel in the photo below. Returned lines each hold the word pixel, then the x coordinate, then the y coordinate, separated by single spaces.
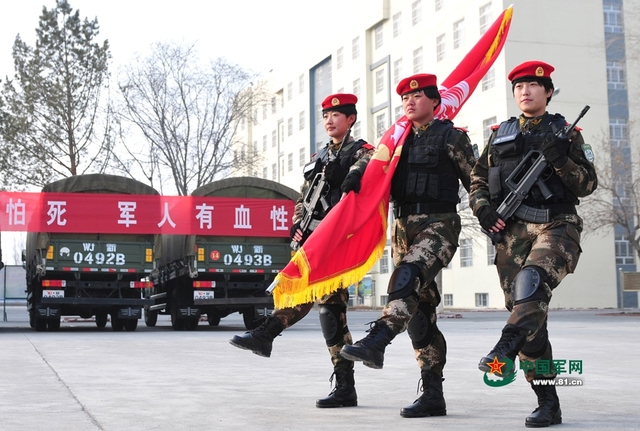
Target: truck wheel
pixel 101 319
pixel 54 324
pixel 39 324
pixel 130 324
pixel 116 323
pixel 191 324
pixel 213 319
pixel 150 318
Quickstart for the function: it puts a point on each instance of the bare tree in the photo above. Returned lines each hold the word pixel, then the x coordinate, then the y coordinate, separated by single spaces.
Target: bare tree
pixel 51 118
pixel 617 201
pixel 187 113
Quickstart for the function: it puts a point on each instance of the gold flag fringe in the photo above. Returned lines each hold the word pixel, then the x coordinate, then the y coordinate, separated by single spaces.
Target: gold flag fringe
pixel 295 291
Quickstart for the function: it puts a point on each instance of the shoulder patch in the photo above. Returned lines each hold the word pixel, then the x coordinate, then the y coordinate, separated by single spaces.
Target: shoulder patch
pixel 367 146
pixel 494 127
pixel 462 129
pixel 588 152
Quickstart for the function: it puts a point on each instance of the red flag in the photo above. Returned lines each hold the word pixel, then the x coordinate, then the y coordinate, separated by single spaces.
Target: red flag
pixel 352 237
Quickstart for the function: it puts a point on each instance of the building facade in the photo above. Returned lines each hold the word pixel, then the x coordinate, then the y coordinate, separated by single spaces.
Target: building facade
pixel 393 39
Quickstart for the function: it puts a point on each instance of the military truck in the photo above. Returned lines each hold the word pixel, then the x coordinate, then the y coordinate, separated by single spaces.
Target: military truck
pixel 85 275
pixel 215 276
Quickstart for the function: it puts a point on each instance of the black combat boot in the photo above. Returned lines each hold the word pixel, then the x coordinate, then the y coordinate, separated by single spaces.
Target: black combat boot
pixel 548 411
pixel 370 349
pixel 260 340
pixel 431 402
pixel 344 392
pixel 510 343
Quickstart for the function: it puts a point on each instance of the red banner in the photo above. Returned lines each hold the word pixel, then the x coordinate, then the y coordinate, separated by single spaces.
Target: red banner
pixel 144 214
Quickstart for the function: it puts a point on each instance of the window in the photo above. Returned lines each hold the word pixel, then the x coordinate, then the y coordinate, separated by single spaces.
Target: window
pixel 290 91
pixel 255 148
pixel 381 125
pixel 438 4
pixel 302 158
pixel 466 253
pixel 482 299
pixel 301 84
pixel 378 36
pixel 448 300
pixel 384 262
pixel 618 132
pixel 265 173
pixel 290 162
pixel 301 120
pixel 486 128
pixel 356 87
pixel 417 60
pixel 264 111
pixel 440 47
pixel 379 80
pixel 273 138
pixel 355 48
pixel 264 144
pixel 489 80
pixel 616 76
pixel 273 105
pixel 613 18
pixel 289 126
pixel 485 17
pixel 624 250
pixel 398 112
pixel 397 24
pixel 458 34
pixel 491 252
pixel 274 172
pixel 397 71
pixel 318 114
pixel 340 57
pixel 355 131
pixel 416 12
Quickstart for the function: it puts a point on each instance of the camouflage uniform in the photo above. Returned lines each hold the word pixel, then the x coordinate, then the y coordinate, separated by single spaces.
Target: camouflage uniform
pixel 554 246
pixel 290 316
pixel 428 241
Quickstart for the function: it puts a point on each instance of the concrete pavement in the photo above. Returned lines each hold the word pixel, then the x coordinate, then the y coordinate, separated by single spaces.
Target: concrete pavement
pixel 85 378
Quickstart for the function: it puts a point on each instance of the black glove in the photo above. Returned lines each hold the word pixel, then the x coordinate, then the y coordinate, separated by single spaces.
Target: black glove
pixel 555 151
pixel 487 217
pixel 335 174
pixel 351 182
pixel 294 229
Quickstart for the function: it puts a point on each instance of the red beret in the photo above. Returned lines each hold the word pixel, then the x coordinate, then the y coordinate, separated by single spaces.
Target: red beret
pixel 531 69
pixel 416 82
pixel 339 100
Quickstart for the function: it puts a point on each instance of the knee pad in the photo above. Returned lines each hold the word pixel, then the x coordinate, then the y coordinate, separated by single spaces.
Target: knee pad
pixel 529 285
pixel 420 329
pixel 402 281
pixel 330 323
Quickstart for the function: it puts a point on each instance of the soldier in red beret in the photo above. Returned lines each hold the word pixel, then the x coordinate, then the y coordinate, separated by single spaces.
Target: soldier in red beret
pixel 536 253
pixel 435 158
pixel 342 160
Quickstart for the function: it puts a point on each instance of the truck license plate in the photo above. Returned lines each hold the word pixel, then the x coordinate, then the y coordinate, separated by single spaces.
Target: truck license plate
pixel 203 294
pixel 53 293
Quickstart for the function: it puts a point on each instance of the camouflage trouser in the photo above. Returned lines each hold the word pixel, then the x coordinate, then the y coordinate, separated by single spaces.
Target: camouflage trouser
pixel 555 248
pixel 428 241
pixel 291 316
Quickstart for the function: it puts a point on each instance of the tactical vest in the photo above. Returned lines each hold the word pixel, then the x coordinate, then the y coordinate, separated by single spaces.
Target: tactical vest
pixel 509 147
pixel 345 157
pixel 425 173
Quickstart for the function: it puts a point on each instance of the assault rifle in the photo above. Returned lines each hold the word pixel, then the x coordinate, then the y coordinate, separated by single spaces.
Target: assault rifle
pixel 315 202
pixel 527 174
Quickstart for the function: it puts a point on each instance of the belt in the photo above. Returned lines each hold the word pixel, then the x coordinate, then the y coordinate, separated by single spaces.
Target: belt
pixel 405 210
